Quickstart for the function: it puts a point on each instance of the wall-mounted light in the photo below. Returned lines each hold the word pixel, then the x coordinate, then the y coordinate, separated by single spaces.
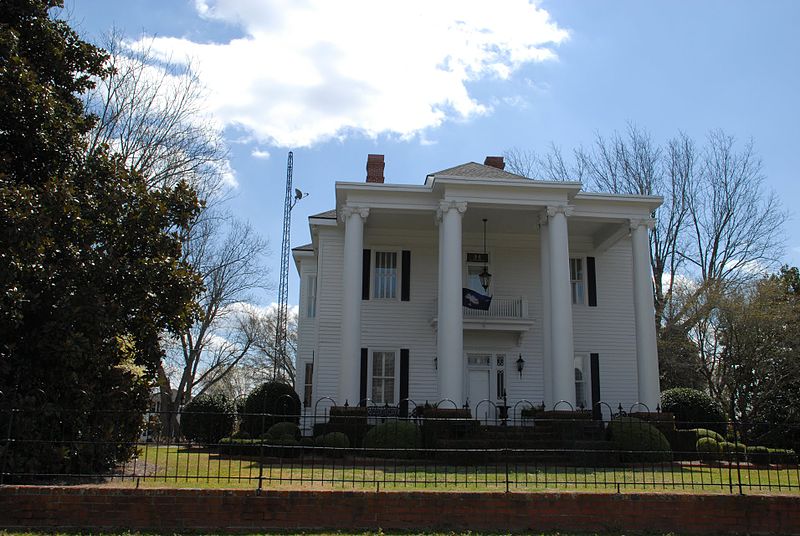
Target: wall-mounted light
pixel 435 362
pixel 520 365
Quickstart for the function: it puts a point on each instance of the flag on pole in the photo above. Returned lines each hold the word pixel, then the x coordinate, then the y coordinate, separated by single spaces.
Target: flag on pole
pixel 475 300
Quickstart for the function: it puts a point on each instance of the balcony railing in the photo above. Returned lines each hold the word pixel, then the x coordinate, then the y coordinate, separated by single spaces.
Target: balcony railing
pixel 502 307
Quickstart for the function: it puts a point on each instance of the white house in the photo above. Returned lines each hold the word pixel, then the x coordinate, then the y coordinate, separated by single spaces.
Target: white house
pixel 571 317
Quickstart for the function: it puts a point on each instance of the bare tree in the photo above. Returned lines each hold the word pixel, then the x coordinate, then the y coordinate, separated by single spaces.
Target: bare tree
pixel 152 113
pixel 717 227
pixel 228 258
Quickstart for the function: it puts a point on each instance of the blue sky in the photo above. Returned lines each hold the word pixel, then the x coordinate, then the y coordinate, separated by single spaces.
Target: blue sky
pixel 334 81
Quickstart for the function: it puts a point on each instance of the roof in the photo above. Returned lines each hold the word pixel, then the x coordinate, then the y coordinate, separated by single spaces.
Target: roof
pixel 304 247
pixel 327 215
pixel 479 171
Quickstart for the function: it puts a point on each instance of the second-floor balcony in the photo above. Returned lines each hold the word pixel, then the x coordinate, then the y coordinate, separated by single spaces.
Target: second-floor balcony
pixel 506 313
pixel 502 307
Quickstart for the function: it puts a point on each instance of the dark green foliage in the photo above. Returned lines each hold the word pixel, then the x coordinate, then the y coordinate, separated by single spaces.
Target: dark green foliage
pixel 335 440
pixel 692 407
pixel 732 452
pixel 283 430
pixel 270 403
pixel 208 418
pixel 639 441
pixel 90 260
pixel 709 449
pixel 704 432
pixel 401 435
pixel 758 455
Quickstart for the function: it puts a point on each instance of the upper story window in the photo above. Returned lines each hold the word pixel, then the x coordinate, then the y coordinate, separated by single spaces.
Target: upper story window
pixel 576 280
pixel 311 296
pixel 385 274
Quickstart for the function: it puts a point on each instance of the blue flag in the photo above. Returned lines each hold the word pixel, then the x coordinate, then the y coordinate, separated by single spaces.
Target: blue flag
pixel 475 300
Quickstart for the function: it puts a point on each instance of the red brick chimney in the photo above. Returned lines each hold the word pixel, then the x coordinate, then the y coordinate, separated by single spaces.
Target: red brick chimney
pixel 495 162
pixel 375 165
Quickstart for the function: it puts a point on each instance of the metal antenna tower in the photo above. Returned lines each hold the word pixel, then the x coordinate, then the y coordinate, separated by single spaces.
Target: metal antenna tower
pixel 281 323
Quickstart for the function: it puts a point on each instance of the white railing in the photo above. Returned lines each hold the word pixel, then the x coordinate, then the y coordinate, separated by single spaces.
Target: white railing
pixel 513 307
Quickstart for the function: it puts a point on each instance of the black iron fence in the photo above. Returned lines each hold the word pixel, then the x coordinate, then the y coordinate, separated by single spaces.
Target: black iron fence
pixel 400 447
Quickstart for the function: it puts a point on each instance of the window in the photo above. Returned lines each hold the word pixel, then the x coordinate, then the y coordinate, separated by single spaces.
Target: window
pixel 311 296
pixel 307 386
pixel 580 384
pixel 383 377
pixel 501 376
pixel 385 274
pixel 576 280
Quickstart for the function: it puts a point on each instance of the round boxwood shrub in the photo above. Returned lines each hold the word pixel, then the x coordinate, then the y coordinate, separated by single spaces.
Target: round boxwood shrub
pixel 393 435
pixel 638 441
pixel 270 403
pixel 709 449
pixel 208 418
pixel 692 407
pixel 283 430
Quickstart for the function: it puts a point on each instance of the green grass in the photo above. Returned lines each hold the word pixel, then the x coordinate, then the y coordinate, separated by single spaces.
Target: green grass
pixel 180 467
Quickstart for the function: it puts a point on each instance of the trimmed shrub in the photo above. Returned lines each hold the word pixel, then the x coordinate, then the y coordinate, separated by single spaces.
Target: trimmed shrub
pixel 268 404
pixel 393 435
pixel 639 441
pixel 283 430
pixel 732 452
pixel 758 455
pixel 208 418
pixel 336 440
pixel 693 406
pixel 782 456
pixel 705 432
pixel 709 449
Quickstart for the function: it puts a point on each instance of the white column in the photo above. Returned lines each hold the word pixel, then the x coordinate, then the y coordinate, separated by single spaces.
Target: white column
pixel 439 300
pixel 350 361
pixel 561 343
pixel 544 267
pixel 644 311
pixel 451 321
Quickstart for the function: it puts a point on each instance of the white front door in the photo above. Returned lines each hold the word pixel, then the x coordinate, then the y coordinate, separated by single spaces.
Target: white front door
pixel 478 386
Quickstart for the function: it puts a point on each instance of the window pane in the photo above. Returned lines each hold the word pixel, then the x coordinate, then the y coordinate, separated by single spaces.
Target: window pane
pixel 388 391
pixel 385 274
pixel 377 364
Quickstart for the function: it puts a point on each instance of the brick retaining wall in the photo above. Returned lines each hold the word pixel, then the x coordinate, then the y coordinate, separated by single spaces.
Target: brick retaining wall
pixel 76 508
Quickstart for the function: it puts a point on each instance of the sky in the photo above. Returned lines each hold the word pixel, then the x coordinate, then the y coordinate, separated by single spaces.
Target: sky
pixel 433 84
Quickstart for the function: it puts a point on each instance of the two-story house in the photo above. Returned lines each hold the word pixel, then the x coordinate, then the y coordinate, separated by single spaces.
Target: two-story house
pixel 382 317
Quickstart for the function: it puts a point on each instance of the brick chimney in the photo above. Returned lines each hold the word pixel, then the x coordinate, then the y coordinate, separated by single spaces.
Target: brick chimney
pixel 375 165
pixel 495 162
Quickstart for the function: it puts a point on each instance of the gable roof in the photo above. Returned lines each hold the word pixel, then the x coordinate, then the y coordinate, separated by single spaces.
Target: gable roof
pixel 478 171
pixel 327 215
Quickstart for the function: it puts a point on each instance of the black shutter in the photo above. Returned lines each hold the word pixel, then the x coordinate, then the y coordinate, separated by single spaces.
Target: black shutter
pixel 405 285
pixel 594 367
pixel 592 281
pixel 364 369
pixel 365 274
pixel 404 382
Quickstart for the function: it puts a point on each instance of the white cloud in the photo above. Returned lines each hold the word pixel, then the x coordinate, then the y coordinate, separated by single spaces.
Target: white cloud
pixel 307 71
pixel 259 153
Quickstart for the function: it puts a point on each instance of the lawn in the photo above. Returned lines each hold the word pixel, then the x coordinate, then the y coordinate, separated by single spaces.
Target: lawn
pixel 173 466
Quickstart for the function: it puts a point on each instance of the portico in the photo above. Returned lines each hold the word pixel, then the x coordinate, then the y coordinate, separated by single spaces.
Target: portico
pixel 540 232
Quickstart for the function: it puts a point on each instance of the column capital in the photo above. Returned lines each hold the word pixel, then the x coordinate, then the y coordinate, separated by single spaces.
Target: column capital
pixel 635 223
pixel 348 211
pixel 566 210
pixel 447 205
